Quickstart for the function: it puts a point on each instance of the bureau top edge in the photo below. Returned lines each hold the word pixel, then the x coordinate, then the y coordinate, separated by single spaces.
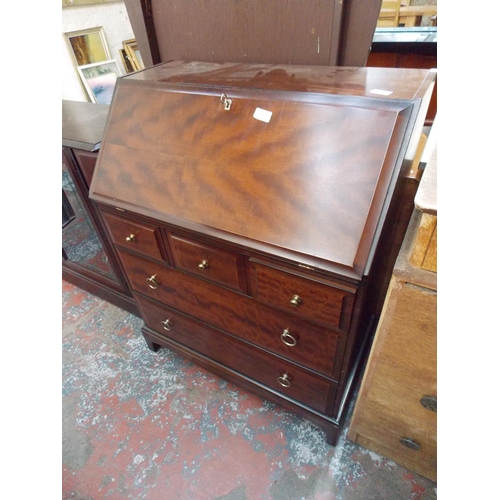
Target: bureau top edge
pixel 387 83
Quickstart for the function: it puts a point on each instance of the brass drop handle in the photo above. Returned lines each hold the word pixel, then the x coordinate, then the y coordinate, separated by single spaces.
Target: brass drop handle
pixel 429 403
pixel 130 238
pixel 166 324
pixel 288 338
pixel 296 300
pixel 203 264
pixel 152 283
pixel 284 380
pixel 410 443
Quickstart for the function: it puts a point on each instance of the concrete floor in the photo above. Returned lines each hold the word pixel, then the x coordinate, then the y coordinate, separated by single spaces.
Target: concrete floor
pixel 144 425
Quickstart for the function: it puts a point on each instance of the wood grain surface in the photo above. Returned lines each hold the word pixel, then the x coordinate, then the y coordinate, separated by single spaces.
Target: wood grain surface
pixel 178 153
pixel 236 314
pixel 255 363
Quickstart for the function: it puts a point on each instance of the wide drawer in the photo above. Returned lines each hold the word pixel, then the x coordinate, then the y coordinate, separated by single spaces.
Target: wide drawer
pixel 209 262
pixel 137 236
pixel 240 315
pixel 250 361
pixel 404 439
pixel 304 297
pixel 405 389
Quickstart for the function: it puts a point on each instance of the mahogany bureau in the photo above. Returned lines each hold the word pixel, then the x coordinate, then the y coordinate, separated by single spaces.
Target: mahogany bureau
pixel 255 210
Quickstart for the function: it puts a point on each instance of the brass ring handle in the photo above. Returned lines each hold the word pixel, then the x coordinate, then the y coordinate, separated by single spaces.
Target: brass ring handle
pixel 130 238
pixel 296 300
pixel 203 264
pixel 166 324
pixel 284 380
pixel 152 283
pixel 288 339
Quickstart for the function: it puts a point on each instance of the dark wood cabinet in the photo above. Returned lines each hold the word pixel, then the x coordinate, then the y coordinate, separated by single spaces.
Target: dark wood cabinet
pixel 89 259
pixel 255 211
pixel 317 32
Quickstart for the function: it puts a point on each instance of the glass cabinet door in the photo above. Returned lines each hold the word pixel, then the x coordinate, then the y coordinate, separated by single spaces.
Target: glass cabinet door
pixel 80 241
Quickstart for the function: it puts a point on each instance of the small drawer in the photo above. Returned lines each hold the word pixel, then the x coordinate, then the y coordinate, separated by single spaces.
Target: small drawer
pixel 136 236
pixel 274 372
pixel 304 297
pixel 209 262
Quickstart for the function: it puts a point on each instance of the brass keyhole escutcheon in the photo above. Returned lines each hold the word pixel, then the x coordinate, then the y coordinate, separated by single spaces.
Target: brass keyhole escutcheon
pixel 296 300
pixel 226 102
pixel 152 283
pixel 203 264
pixel 130 238
pixel 284 380
pixel 166 324
pixel 288 338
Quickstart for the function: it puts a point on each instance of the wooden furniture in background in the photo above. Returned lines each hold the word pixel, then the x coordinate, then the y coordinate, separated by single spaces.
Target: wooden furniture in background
pixel 255 210
pixel 396 410
pixel 317 32
pixel 89 259
pixel 389 14
pixel 407 48
pixel 411 15
pixel 401 13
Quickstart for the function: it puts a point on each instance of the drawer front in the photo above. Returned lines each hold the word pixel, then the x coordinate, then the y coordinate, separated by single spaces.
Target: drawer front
pixel 303 297
pixel 387 428
pixel 211 263
pixel 237 314
pixel 405 389
pixel 252 362
pixel 137 236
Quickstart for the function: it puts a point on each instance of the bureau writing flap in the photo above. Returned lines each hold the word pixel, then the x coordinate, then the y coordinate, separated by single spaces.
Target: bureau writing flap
pixel 309 173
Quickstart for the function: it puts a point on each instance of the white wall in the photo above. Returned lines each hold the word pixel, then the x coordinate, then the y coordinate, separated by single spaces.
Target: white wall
pixel 113 18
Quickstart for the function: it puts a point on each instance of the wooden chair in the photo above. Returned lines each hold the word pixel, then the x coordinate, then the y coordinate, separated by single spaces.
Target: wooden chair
pixel 389 14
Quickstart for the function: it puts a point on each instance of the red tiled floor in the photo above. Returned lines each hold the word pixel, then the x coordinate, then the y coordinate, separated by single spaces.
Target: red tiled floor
pixel 144 425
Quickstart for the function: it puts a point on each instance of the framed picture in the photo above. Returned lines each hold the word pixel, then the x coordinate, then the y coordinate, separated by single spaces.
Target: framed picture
pixel 132 50
pixel 99 80
pixel 88 46
pixel 127 64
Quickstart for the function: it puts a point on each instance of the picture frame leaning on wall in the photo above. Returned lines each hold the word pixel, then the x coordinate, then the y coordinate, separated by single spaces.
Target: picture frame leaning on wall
pixel 99 80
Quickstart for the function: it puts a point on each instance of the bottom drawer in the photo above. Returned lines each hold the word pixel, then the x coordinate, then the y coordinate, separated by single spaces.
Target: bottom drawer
pixel 408 441
pixel 274 372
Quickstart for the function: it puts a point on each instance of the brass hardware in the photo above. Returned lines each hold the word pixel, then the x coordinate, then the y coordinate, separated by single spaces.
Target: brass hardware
pixel 287 338
pixel 408 442
pixel 296 300
pixel 130 238
pixel 429 403
pixel 152 283
pixel 284 380
pixel 203 264
pixel 166 324
pixel 226 102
